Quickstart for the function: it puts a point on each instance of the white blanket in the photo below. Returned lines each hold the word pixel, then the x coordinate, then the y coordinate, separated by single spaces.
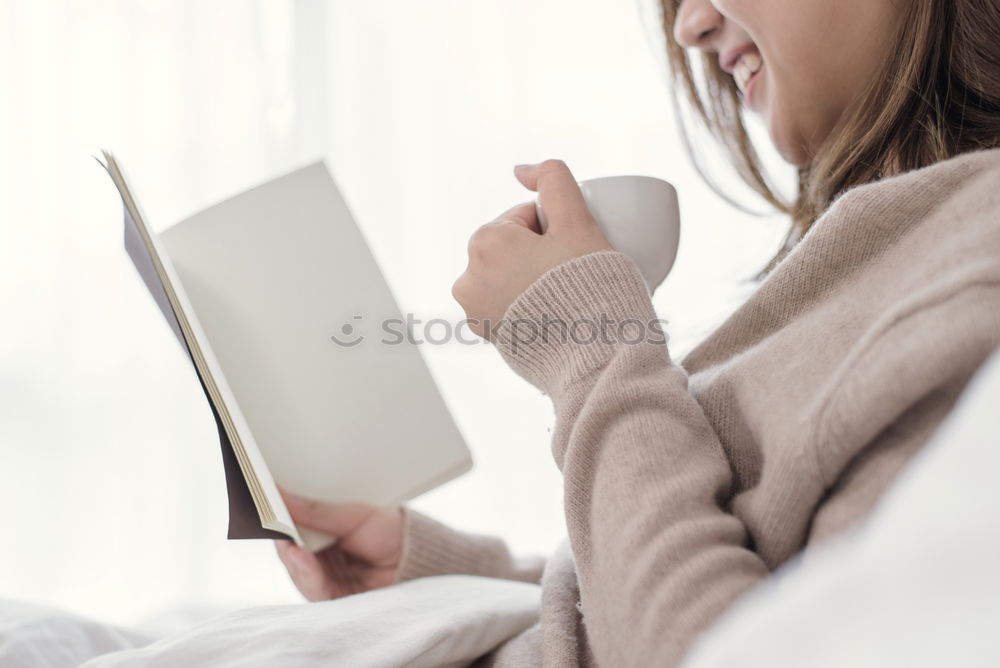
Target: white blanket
pixel 441 621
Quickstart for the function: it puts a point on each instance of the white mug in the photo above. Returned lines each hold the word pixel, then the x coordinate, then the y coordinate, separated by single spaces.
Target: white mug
pixel 639 216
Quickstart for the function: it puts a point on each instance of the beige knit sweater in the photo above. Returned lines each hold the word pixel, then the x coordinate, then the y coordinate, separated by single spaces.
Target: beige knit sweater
pixel 686 484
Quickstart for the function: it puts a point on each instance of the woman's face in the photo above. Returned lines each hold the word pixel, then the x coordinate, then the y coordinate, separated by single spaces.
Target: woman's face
pixel 799 63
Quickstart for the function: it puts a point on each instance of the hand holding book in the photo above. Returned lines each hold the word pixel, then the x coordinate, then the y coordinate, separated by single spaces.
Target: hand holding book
pixel 365 555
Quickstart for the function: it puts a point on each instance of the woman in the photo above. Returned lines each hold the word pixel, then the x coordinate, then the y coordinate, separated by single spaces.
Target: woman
pixel 686 484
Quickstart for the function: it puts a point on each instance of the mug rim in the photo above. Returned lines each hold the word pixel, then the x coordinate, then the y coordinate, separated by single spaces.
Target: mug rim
pixel 628 177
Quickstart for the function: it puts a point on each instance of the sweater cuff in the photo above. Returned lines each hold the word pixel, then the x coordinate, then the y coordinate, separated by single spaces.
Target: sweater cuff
pixel 432 548
pixel 571 321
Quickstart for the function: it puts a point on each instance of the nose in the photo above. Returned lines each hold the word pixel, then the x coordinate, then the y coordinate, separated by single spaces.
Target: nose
pixel 695 22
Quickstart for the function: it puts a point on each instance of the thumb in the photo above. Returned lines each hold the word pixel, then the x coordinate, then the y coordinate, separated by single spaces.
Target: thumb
pixel 558 193
pixel 336 519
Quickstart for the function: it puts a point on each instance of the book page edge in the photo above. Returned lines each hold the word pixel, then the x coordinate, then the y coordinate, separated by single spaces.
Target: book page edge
pixel 270 507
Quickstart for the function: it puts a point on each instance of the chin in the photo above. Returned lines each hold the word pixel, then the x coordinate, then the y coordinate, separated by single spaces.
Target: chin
pixel 795 157
pixel 784 133
pixel 788 144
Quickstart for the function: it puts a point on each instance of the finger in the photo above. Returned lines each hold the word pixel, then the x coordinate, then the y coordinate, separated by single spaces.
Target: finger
pixel 302 562
pixel 305 571
pixel 558 192
pixel 339 579
pixel 336 519
pixel 523 214
pixel 525 175
pixel 282 548
pixel 346 570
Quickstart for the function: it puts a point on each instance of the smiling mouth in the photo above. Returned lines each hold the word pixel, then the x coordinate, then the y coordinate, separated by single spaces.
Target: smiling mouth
pixel 746 67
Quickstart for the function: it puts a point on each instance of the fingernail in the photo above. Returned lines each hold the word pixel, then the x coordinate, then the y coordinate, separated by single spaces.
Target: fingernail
pixel 524 166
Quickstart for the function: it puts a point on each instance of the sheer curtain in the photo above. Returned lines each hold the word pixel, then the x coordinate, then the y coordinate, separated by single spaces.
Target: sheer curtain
pixel 110 477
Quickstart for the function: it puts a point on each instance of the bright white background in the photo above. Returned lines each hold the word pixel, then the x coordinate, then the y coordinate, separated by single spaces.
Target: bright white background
pixel 111 484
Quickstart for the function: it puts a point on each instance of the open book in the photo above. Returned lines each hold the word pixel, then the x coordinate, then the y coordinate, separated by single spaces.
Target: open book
pixel 278 302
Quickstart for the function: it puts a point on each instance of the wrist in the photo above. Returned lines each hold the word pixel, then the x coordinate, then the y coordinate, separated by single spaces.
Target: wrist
pixel 570 322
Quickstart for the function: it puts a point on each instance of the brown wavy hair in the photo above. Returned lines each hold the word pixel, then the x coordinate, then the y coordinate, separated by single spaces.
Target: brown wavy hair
pixel 937 95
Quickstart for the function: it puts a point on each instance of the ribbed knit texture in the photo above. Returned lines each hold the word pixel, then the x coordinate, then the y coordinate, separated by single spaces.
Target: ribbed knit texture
pixel 686 484
pixel 552 342
pixel 432 548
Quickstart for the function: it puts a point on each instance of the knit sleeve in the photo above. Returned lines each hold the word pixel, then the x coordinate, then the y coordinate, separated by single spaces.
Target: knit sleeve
pixel 431 548
pixel 657 555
